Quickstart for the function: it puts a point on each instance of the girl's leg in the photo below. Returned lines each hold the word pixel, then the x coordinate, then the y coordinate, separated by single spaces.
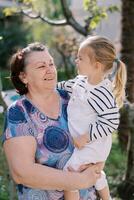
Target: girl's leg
pixel 102 187
pixel 104 193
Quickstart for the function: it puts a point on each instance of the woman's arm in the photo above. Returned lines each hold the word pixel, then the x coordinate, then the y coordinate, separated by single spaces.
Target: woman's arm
pixel 20 153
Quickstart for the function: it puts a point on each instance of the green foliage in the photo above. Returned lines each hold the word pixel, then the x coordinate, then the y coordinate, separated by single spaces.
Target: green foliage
pixel 49 8
pixel 113 8
pixel 3 168
pixel 9 11
pixel 41 32
pixel 14 34
pixel 96 13
pixel 115 166
pixel 6 82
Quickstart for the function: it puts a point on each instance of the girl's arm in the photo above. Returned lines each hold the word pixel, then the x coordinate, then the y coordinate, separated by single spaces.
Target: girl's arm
pixel 20 153
pixel 103 102
pixel 66 85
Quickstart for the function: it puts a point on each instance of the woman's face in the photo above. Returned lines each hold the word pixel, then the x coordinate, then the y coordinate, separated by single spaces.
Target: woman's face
pixel 40 71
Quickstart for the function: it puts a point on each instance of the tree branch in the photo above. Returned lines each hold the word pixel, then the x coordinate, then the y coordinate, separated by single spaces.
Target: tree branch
pixel 70 19
pixel 32 15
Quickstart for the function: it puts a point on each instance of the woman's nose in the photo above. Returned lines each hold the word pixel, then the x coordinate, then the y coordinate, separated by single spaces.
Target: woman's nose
pixel 50 69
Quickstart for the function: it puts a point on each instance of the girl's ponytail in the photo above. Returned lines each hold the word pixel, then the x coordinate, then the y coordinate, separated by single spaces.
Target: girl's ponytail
pixel 119 83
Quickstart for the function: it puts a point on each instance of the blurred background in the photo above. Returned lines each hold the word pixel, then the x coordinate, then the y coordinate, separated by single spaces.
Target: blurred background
pixel 62 24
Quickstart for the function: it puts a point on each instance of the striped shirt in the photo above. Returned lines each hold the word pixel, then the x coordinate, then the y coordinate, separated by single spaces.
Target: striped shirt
pixel 98 99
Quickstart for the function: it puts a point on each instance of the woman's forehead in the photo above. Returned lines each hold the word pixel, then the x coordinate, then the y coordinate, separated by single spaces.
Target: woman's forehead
pixel 39 56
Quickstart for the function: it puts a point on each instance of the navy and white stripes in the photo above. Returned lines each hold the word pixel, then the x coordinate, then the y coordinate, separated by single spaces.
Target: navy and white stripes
pixel 102 101
pixel 66 85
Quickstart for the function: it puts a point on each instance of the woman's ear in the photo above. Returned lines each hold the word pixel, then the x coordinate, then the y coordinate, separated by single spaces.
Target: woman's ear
pixel 22 77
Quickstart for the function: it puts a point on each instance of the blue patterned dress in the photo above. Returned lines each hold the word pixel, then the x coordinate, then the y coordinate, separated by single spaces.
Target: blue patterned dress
pixel 54 143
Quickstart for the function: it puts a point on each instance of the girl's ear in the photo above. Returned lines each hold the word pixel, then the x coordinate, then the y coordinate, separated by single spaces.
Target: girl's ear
pixel 99 66
pixel 22 77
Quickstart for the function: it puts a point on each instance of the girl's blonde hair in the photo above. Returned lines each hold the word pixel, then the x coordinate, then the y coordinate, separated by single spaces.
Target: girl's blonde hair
pixel 102 50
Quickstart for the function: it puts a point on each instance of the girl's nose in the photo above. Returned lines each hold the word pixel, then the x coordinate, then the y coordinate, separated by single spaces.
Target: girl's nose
pixel 76 60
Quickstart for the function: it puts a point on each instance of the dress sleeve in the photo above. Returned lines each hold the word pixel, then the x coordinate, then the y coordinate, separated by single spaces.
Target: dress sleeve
pixel 103 102
pixel 16 123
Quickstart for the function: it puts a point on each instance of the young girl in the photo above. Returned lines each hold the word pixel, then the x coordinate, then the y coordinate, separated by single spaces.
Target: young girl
pixel 96 94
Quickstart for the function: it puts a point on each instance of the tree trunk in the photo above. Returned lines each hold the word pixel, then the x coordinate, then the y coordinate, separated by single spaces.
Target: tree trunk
pixel 126 188
pixel 123 130
pixel 127 56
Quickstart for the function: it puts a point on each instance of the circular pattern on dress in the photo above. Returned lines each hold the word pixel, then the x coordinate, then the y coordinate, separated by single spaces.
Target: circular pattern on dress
pixel 16 115
pixel 29 107
pixel 42 117
pixel 37 195
pixel 61 163
pixel 55 139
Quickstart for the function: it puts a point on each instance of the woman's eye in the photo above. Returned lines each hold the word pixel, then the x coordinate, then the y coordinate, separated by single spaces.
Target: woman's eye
pixel 41 66
pixel 51 64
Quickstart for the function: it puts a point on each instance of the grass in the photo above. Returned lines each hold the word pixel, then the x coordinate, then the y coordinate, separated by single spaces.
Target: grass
pixel 4 193
pixel 115 166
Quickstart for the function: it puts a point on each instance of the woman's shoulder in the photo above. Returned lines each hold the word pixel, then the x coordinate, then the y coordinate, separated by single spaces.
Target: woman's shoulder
pixel 16 104
pixel 15 112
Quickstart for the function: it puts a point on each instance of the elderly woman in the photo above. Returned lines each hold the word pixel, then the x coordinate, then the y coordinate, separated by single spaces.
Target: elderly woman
pixel 36 138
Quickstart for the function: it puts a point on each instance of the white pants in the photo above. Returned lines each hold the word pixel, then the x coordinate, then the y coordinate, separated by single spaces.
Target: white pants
pixel 93 152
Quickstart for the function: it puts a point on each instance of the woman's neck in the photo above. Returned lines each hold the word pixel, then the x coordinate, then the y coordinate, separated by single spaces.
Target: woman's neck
pixel 48 102
pixel 39 97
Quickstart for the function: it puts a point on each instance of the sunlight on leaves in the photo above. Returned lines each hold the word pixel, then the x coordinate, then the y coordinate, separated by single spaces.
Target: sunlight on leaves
pixel 9 11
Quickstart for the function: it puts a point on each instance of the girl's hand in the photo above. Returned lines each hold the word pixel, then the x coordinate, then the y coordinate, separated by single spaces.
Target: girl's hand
pixel 80 141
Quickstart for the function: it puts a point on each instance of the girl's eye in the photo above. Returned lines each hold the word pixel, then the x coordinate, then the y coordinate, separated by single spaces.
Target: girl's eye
pixel 78 58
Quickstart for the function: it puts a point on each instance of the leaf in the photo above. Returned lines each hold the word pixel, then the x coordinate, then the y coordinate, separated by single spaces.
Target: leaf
pixel 113 8
pixel 85 4
pixel 9 11
pixel 104 15
pixel 95 21
pixel 90 5
pixel 93 24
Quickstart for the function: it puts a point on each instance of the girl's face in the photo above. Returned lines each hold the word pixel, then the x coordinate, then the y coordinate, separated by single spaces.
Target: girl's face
pixel 40 71
pixel 84 64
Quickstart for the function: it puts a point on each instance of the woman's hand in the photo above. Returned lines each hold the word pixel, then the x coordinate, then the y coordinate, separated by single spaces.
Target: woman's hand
pixel 89 173
pixel 100 166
